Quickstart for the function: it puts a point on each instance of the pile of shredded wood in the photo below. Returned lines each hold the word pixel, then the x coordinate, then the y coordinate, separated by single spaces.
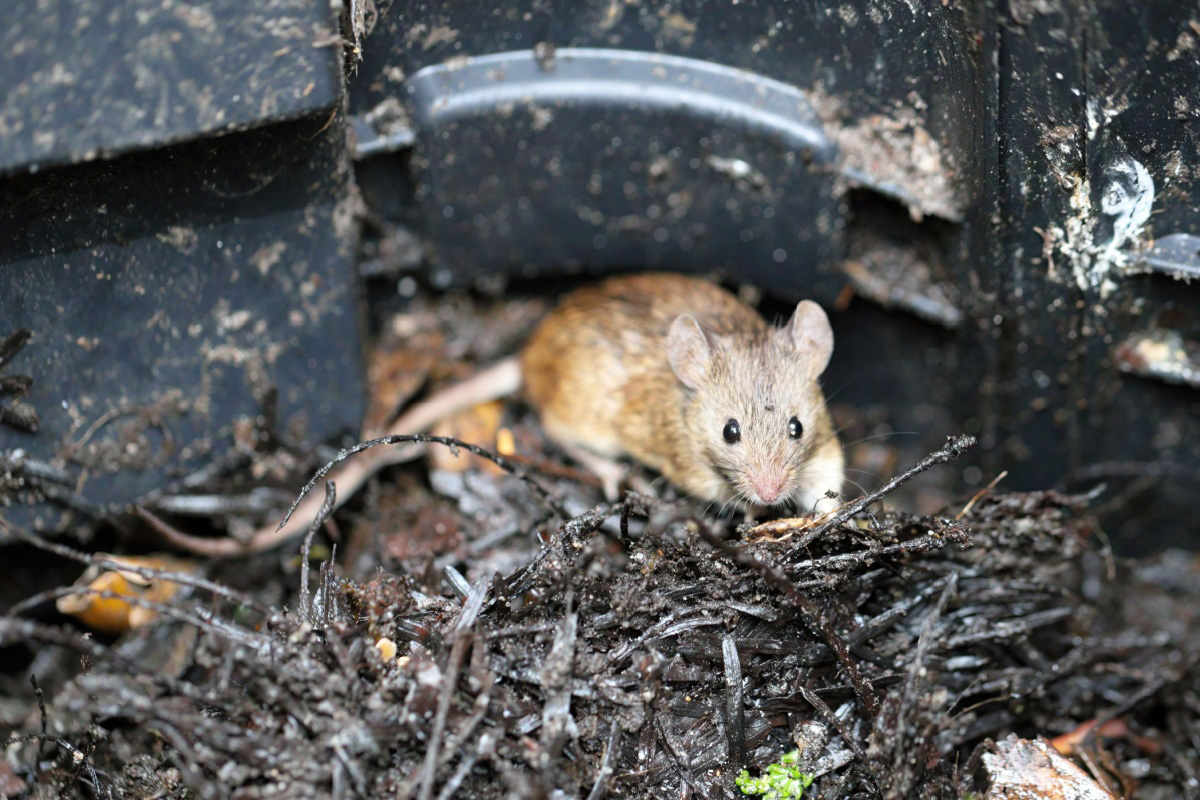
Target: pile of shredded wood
pixel 455 631
pixel 643 649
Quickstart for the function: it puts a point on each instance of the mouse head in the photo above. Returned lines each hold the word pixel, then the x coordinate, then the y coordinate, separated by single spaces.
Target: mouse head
pixel 755 408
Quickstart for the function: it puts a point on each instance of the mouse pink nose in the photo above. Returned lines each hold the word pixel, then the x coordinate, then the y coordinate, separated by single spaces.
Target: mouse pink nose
pixel 768 489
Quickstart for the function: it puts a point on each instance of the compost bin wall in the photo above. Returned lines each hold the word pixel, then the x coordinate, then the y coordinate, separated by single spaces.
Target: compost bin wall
pixel 997 199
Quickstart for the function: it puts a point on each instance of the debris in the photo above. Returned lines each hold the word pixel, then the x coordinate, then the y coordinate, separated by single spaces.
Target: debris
pixel 1022 769
pixel 397 368
pixel 894 154
pixel 480 424
pixel 106 599
pixel 474 634
pixel 386 648
pixel 16 413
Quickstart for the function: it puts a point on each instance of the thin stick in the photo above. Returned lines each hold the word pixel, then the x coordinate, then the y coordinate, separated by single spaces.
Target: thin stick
pixel 608 764
pixel 788 526
pixel 833 719
pixel 306 548
pixel 955 447
pixel 41 700
pixel 449 441
pixel 735 730
pixel 208 622
pixel 979 495
pixel 78 755
pixel 449 686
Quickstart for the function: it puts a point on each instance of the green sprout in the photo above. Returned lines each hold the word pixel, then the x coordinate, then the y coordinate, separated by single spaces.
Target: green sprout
pixel 782 781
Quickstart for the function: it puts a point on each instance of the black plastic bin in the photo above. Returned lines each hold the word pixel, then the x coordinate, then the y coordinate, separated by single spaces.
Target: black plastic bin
pixel 1007 189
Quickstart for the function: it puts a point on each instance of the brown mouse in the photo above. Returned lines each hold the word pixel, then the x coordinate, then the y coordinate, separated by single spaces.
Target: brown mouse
pixel 671 370
pixel 678 373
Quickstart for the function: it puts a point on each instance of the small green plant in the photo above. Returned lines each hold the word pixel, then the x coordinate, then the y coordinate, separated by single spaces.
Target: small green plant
pixel 783 780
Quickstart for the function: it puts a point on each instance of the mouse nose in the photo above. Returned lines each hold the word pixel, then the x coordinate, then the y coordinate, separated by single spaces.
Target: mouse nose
pixel 768 489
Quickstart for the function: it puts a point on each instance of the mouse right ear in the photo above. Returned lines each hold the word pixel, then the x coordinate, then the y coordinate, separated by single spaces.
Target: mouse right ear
pixel 811 334
pixel 688 350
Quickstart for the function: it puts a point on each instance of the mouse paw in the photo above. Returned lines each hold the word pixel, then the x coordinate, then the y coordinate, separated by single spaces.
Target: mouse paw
pixel 640 485
pixel 611 473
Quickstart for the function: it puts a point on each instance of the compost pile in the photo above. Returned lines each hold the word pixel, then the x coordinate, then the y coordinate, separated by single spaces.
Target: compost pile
pixel 503 633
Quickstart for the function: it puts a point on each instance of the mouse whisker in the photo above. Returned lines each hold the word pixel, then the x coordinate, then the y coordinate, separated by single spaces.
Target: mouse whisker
pixel 858 485
pixel 847 382
pixel 702 482
pixel 721 510
pixel 863 472
pixel 880 436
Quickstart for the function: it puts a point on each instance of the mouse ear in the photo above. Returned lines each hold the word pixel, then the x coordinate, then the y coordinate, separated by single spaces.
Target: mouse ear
pixel 810 334
pixel 688 350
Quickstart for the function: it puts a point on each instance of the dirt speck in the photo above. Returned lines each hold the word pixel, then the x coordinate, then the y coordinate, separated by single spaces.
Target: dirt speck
pixel 268 256
pixel 439 34
pixel 181 238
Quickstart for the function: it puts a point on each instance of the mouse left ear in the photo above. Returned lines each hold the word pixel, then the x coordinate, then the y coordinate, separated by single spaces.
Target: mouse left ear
pixel 810 334
pixel 688 350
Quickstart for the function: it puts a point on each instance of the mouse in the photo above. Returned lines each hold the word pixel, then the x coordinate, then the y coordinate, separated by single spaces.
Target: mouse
pixel 682 376
pixel 670 370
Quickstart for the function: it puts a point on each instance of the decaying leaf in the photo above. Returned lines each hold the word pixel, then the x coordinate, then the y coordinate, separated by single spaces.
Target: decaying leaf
pixel 1031 769
pixel 100 610
pixel 1069 743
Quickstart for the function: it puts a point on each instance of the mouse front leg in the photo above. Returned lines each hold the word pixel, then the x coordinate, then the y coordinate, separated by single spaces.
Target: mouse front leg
pixel 610 471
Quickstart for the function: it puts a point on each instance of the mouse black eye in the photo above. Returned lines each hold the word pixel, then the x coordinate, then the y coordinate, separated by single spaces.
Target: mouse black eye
pixel 732 432
pixel 795 429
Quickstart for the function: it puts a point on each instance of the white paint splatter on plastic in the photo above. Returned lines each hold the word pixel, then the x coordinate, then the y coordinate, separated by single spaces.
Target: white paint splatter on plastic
pixel 1127 199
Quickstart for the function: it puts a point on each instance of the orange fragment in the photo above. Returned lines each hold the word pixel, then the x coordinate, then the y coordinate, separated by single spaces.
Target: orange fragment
pixel 113 614
pixel 387 648
pixel 506 444
pixel 479 425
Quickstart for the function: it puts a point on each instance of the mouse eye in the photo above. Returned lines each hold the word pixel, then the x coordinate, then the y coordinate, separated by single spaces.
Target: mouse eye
pixel 732 432
pixel 795 429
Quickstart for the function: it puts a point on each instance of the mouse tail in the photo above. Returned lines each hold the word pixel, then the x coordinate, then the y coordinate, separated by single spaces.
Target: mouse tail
pixel 499 380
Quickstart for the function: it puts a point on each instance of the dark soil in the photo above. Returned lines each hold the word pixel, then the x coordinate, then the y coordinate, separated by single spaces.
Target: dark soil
pixel 643 649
